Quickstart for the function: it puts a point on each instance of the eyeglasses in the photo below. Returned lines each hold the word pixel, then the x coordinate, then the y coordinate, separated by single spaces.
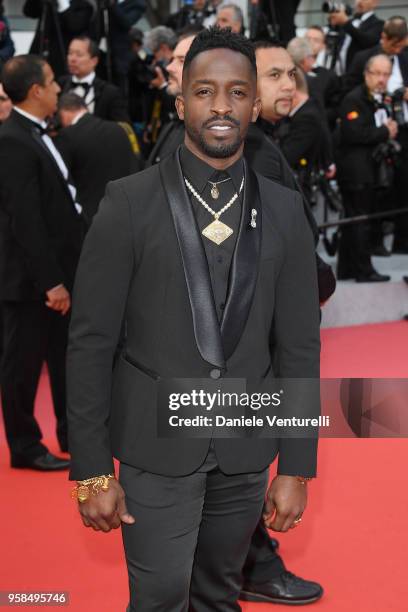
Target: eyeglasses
pixel 379 74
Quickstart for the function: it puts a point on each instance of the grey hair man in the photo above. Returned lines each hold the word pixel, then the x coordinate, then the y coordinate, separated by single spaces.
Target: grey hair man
pixel 230 16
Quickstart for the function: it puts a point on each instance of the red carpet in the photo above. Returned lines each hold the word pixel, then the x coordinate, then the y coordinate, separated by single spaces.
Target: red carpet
pixel 353 538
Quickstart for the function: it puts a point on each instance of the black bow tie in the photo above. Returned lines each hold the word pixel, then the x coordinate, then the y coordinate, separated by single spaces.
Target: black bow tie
pixel 358 15
pixel 85 86
pixel 38 129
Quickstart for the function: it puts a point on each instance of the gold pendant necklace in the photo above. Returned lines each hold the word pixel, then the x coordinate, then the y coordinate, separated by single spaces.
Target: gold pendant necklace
pixel 217 231
pixel 215 194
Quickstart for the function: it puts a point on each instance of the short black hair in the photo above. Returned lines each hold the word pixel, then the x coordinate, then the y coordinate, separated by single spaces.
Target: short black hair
pixel 395 28
pixel 71 101
pixel 191 29
pixel 92 45
pixel 220 38
pixel 268 44
pixel 20 73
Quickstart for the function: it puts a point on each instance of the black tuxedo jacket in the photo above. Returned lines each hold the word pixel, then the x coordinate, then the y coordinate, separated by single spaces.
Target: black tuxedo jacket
pixel 364 37
pixel 75 21
pixel 358 138
pixel 144 261
pixel 96 152
pixel 40 230
pixel 355 74
pixel 109 101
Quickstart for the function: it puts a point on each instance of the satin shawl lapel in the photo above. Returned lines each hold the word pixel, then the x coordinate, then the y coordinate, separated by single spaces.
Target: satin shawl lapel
pixel 244 267
pixel 206 326
pixel 49 155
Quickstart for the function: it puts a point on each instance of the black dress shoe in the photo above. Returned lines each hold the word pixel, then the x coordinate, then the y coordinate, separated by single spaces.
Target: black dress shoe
pixel 373 277
pixel 43 463
pixel 380 251
pixel 284 589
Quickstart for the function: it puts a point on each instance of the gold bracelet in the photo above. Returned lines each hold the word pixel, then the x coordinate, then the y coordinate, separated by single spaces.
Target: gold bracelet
pixel 91 486
pixel 303 479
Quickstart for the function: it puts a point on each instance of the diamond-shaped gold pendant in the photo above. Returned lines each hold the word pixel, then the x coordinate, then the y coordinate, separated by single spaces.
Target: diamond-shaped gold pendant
pixel 217 232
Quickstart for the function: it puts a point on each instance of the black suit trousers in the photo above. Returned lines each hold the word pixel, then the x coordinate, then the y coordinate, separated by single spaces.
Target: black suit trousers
pixel 33 334
pixel 355 240
pixel 188 545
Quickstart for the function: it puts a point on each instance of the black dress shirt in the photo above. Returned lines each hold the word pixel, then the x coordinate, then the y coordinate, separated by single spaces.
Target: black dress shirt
pixel 219 257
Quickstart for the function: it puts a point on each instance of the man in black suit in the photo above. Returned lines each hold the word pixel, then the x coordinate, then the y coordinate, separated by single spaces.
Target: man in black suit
pixel 41 230
pixel 364 125
pixel 301 135
pixel 96 151
pixel 265 576
pixel 144 257
pixel 103 99
pixel 359 31
pixel 59 21
pixel 393 42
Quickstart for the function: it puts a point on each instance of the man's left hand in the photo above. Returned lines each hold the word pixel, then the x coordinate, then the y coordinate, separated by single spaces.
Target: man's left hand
pixel 285 503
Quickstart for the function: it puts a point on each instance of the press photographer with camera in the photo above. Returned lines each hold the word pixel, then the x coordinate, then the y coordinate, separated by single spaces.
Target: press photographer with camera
pixel 351 31
pixel 59 21
pixel 365 124
pixel 394 44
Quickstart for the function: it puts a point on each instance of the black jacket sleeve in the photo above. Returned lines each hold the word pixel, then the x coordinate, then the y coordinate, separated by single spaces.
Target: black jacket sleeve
pixel 365 38
pixel 296 337
pixel 21 198
pixel 99 300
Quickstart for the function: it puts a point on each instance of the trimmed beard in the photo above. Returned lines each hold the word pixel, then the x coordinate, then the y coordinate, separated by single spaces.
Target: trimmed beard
pixel 218 151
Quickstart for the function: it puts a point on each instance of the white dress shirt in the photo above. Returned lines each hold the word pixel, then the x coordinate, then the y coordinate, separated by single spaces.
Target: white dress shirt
pixel 89 96
pixel 55 154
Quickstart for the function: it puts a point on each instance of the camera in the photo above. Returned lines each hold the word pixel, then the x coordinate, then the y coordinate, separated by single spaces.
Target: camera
pixel 335 7
pixel 386 156
pixel 397 105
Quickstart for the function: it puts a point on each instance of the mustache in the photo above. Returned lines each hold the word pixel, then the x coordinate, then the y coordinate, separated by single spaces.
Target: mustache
pixel 228 118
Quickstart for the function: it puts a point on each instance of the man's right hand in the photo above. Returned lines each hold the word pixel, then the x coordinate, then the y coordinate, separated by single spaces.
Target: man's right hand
pixel 106 510
pixel 392 127
pixel 58 299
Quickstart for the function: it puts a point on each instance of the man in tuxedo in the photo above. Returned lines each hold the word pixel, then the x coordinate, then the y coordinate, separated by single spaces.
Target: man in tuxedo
pixel 103 99
pixel 41 230
pixel 96 151
pixel 364 125
pixel 359 31
pixel 393 44
pixel 59 21
pixel 144 257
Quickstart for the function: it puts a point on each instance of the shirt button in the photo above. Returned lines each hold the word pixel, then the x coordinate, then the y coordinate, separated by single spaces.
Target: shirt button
pixel 219 259
pixel 215 374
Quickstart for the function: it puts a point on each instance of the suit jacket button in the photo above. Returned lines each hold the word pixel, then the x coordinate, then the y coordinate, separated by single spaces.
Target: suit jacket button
pixel 215 373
